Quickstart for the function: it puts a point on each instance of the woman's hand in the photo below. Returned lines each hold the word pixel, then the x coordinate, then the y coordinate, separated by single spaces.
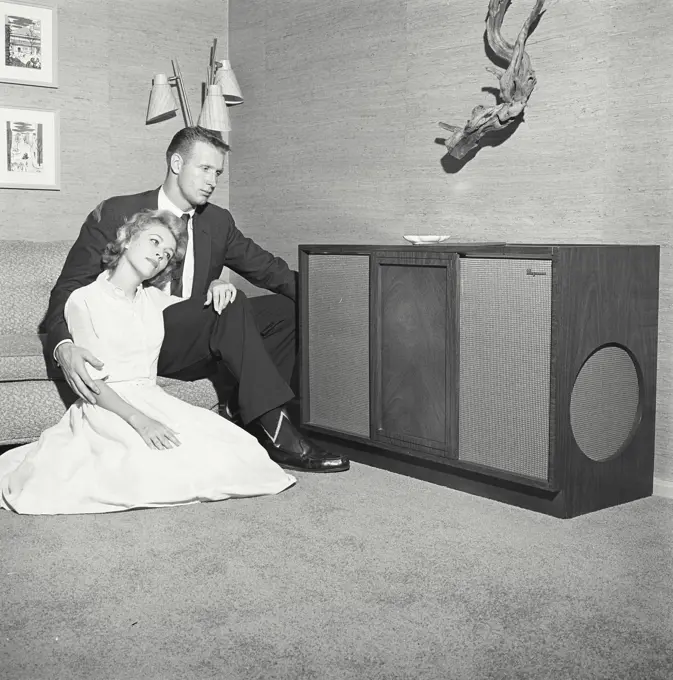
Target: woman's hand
pixel 220 293
pixel 155 434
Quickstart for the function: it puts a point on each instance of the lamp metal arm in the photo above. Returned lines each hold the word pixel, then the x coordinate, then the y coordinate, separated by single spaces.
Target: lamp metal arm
pixel 177 78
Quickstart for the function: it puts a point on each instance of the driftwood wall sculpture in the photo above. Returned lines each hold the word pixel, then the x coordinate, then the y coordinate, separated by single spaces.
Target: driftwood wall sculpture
pixel 516 82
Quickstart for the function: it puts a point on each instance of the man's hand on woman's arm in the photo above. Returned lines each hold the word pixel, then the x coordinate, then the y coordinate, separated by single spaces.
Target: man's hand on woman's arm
pixel 73 360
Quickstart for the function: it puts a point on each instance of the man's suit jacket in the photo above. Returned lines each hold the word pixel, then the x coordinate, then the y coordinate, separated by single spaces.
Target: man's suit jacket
pixel 217 243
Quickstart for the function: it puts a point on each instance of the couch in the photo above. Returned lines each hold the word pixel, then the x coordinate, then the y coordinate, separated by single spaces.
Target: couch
pixel 30 399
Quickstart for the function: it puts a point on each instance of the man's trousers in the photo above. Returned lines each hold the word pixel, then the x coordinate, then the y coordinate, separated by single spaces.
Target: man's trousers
pixel 254 339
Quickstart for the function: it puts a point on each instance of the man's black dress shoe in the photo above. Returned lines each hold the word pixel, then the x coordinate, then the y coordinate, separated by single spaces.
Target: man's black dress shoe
pixel 293 451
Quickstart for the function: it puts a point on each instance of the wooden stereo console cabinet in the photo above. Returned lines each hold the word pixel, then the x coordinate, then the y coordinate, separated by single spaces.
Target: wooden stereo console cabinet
pixel 525 373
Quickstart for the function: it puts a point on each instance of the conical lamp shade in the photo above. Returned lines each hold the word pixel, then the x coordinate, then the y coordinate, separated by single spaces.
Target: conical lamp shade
pixel 162 102
pixel 225 78
pixel 214 114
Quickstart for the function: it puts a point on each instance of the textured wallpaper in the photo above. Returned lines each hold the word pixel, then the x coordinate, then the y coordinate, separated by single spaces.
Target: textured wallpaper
pixel 108 53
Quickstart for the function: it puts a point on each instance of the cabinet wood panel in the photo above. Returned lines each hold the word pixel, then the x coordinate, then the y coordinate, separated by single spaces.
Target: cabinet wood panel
pixel 414 351
pixel 606 295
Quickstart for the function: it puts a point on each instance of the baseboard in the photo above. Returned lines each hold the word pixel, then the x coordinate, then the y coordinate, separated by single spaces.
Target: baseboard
pixel 663 488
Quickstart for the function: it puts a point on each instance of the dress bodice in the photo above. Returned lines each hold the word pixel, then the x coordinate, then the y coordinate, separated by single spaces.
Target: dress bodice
pixel 125 334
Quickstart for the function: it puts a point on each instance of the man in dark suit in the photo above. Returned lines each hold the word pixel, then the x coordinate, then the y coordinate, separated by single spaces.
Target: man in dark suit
pixel 254 339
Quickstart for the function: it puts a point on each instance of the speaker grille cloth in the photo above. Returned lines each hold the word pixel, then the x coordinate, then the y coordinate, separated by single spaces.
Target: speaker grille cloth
pixel 505 344
pixel 338 342
pixel 604 402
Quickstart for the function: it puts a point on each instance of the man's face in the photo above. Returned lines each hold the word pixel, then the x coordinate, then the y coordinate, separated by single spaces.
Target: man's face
pixel 199 172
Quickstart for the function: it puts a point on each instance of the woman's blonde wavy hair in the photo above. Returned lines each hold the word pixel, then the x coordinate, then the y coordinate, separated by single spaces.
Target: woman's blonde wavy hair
pixel 140 222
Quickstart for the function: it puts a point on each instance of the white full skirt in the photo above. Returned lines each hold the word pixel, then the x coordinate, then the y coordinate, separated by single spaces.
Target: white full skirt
pixel 93 461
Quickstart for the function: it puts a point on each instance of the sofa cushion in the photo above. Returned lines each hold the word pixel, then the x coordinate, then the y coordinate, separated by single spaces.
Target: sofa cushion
pixel 198 392
pixel 22 357
pixel 29 271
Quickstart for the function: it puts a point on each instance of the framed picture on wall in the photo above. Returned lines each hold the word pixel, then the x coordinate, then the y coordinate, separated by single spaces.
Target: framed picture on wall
pixel 29 55
pixel 29 149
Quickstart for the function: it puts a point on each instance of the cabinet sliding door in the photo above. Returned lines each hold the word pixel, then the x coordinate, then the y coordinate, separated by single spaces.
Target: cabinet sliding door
pixel 414 350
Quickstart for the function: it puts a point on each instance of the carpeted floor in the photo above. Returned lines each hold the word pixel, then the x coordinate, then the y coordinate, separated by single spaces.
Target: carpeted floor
pixel 362 575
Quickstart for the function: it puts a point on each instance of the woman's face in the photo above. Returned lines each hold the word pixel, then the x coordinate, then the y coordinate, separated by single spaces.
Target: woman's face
pixel 150 250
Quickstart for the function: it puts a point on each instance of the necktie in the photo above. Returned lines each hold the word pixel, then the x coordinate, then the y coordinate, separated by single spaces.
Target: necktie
pixel 176 281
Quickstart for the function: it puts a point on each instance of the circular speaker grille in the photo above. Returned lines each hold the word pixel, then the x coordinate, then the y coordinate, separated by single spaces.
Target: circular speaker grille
pixel 604 402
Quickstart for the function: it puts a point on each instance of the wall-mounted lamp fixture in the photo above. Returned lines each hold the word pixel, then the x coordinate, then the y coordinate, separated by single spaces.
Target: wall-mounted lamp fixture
pixel 221 89
pixel 162 104
pixel 214 115
pixel 226 79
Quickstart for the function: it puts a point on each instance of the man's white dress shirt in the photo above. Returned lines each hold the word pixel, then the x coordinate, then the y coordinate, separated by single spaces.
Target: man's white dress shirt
pixel 165 203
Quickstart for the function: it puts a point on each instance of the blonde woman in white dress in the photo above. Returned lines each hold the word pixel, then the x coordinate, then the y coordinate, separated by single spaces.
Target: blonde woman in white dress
pixel 138 446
